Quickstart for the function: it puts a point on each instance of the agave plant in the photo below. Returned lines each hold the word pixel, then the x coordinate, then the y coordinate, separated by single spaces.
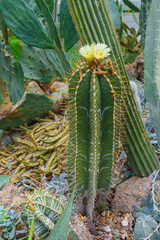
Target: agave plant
pixel 49 215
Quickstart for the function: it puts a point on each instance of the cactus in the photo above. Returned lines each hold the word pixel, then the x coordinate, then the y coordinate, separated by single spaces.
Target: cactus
pixel 35 34
pixel 11 80
pixel 151 65
pixel 35 105
pixel 94 99
pixel 23 22
pixel 5 78
pixel 93 23
pixel 145 7
pixel 35 65
pixel 3 28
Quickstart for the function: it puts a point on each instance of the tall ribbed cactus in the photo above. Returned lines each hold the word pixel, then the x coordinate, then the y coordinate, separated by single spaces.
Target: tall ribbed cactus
pixel 152 64
pixel 145 7
pixel 94 99
pixel 93 23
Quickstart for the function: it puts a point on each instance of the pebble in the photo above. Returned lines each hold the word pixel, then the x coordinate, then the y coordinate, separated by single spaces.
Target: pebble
pixel 103 214
pixel 107 229
pixel 124 223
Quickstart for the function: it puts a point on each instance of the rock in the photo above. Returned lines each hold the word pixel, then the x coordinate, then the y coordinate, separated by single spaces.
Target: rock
pixel 124 223
pixel 57 86
pixel 6 140
pixel 34 87
pixel 11 196
pixel 131 192
pixel 103 214
pixel 136 69
pixel 107 229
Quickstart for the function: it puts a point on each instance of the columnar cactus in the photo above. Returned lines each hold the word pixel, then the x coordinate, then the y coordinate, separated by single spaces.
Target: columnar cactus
pixel 94 99
pixel 151 65
pixel 94 24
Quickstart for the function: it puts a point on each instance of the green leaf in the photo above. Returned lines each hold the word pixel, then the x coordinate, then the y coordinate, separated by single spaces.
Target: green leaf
pixel 3 179
pixel 144 227
pixel 68 28
pixel 31 229
pixel 50 4
pixel 24 24
pixel 15 45
pixel 60 230
pixel 54 34
pixel 24 238
pixel 52 27
pixel 63 7
pixel 131 6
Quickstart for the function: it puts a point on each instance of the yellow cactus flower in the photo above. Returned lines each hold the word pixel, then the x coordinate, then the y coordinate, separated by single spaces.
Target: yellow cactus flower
pixel 87 52
pixel 95 52
pixel 101 51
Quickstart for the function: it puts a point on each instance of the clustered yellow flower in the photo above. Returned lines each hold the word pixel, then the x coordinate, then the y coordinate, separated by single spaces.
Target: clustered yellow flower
pixel 95 52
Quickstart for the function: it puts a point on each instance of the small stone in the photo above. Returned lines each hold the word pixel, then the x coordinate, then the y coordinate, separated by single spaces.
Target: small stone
pixel 103 220
pixel 103 214
pixel 107 229
pixel 118 226
pixel 119 219
pixel 124 223
pixel 34 87
pixel 124 235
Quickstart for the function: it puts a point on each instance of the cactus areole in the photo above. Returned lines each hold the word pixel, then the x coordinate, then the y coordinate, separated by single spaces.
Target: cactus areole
pixel 94 93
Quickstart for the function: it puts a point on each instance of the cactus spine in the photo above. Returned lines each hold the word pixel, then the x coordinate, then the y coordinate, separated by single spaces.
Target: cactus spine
pixel 92 114
pixel 93 23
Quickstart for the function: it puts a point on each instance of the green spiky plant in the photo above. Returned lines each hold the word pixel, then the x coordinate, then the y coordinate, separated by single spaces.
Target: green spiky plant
pixel 93 23
pixel 11 79
pixel 151 65
pixel 42 65
pixel 94 116
pixel 23 21
pixel 51 218
pixel 145 7
pixel 12 91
